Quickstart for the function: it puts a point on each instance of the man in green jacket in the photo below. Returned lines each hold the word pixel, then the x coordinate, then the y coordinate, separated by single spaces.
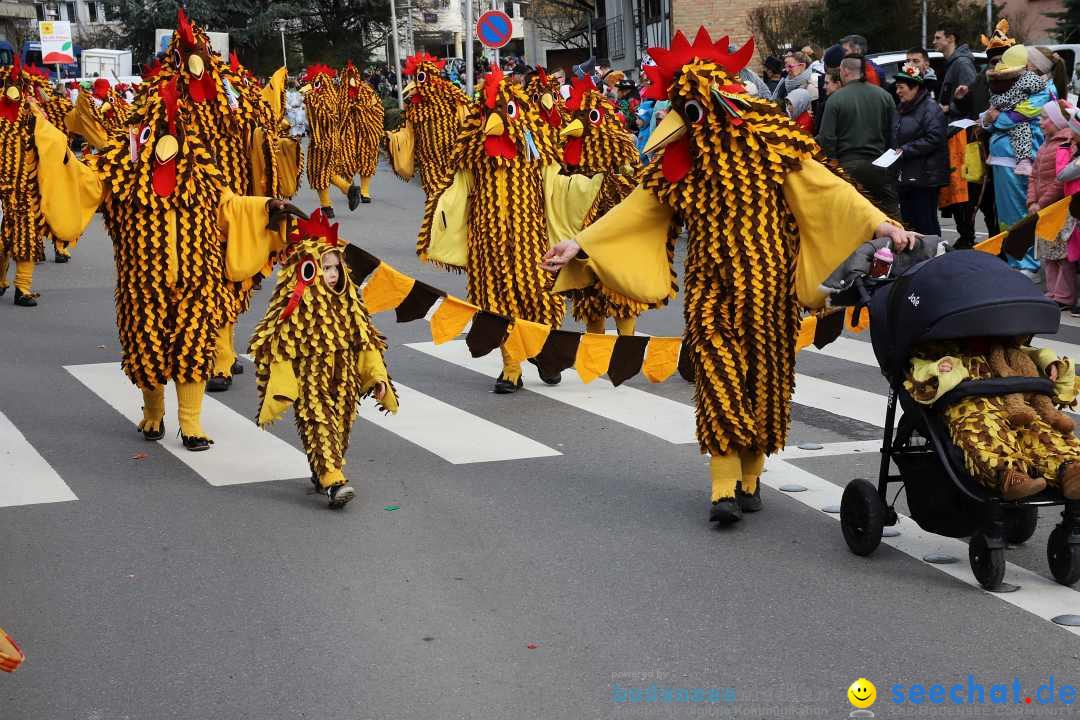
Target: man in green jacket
pixel 857 127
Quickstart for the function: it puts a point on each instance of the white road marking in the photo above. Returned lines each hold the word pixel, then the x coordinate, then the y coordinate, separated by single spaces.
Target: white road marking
pixel 1037 595
pixel 242 453
pixel 26 478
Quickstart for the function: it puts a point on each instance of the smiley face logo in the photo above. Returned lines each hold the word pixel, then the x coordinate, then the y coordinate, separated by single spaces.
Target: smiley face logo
pixel 862 693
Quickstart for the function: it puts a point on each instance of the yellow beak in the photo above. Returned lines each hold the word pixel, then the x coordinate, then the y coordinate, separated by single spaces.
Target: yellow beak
pixel 105 107
pixel 13 93
pixel 574 129
pixel 305 89
pixel 547 101
pixel 196 66
pixel 166 148
pixel 409 90
pixel 670 128
pixel 494 125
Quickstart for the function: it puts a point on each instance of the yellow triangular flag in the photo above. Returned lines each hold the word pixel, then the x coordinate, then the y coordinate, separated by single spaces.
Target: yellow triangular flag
pixel 862 324
pixel 661 358
pixel 526 340
pixel 450 319
pixel 806 332
pixel 386 289
pixel 593 355
pixel 1052 219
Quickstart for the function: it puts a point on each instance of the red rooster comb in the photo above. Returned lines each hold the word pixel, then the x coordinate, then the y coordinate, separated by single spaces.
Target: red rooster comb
pixel 542 73
pixel 187 35
pixel 101 88
pixel 170 96
pixel 349 67
pixel 33 69
pixel 682 52
pixel 234 62
pixel 317 226
pixel 492 81
pixel 151 70
pixel 318 69
pixel 578 88
pixel 414 62
pixel 16 68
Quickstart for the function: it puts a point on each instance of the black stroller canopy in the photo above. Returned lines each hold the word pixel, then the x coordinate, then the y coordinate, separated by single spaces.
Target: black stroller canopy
pixel 960 294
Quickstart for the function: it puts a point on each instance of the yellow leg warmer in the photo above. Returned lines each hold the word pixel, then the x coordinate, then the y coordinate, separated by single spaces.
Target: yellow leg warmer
pixel 725 471
pixel 224 354
pixel 511 368
pixel 752 465
pixel 626 326
pixel 3 270
pixel 332 476
pixel 340 183
pixel 24 275
pixel 595 326
pixel 189 397
pixel 365 186
pixel 153 410
pixel 324 198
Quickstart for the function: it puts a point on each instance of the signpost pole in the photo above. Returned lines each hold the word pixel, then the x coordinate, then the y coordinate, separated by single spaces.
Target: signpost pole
pixel 469 75
pixel 397 54
pixel 494 6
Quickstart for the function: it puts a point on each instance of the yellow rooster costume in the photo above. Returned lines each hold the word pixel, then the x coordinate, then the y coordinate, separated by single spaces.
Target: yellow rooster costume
pixel 56 107
pixel 595 141
pixel 317 347
pixel 543 92
pixel 171 219
pixel 322 101
pixel 97 114
pixel 494 212
pixel 434 111
pixel 362 131
pixel 766 221
pixel 23 227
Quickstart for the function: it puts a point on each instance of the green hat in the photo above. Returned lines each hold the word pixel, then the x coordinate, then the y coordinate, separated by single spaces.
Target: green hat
pixel 909 74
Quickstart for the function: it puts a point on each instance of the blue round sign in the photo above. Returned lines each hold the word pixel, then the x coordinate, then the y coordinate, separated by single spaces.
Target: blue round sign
pixel 494 28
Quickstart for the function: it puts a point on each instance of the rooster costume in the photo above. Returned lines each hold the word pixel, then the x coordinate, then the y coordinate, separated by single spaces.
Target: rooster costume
pixel 362 131
pixel 322 100
pixel 767 221
pixel 434 111
pixel 494 212
pixel 316 346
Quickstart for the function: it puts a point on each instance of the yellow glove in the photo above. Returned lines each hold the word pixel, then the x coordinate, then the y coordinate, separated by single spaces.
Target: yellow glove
pixel 281 392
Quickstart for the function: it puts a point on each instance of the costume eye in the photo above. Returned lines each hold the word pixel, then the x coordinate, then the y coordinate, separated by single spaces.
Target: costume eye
pixel 308 270
pixel 421 77
pixel 596 116
pixel 693 112
pixel 511 109
pixel 144 135
pixel 536 97
pixel 178 57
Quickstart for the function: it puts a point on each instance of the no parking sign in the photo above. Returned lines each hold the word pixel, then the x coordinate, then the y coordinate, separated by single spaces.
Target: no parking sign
pixel 494 28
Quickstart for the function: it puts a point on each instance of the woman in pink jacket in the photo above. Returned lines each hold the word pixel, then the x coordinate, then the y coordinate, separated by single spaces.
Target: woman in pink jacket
pixel 1044 189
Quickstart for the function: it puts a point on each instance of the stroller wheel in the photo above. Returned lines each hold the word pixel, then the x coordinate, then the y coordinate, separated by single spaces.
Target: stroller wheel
pixel 862 516
pixel 987 564
pixel 1063 557
pixel 1020 524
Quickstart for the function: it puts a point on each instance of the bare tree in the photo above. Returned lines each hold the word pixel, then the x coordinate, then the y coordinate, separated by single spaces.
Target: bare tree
pixel 562 22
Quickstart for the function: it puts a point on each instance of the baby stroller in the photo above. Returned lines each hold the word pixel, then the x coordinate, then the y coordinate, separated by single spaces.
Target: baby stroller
pixel 956 295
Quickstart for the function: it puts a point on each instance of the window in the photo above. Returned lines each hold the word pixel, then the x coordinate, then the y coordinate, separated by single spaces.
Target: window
pixel 92 11
pixel 40 11
pixel 431 18
pixel 67 12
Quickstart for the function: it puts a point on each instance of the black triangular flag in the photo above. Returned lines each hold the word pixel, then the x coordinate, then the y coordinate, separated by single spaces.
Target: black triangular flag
pixel 1074 205
pixel 361 263
pixel 1020 237
pixel 686 368
pixel 626 358
pixel 417 303
pixel 828 328
pixel 487 332
pixel 559 352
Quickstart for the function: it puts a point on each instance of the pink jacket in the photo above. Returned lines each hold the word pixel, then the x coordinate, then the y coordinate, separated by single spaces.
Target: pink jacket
pixel 1043 186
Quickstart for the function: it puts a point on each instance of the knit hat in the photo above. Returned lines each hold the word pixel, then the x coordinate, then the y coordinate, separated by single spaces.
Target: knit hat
pixel 833 56
pixel 1060 113
pixel 1042 59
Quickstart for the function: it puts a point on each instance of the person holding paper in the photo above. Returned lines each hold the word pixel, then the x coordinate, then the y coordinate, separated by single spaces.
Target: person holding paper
pixel 923 166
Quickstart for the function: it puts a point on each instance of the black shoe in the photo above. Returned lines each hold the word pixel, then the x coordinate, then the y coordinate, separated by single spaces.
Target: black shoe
pixel 550 379
pixel 725 511
pixel 218 383
pixel 237 368
pixel 366 199
pixel 339 495
pixel 25 299
pixel 196 444
pixel 750 503
pixel 505 387
pixel 62 259
pixel 354 197
pixel 328 212
pixel 3 290
pixel 154 435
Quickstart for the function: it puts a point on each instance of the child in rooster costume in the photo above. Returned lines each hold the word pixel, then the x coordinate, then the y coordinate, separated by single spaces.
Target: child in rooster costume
pixel 494 213
pixel 596 141
pixel 767 222
pixel 543 92
pixel 434 111
pixel 317 347
pixel 23 227
pixel 174 224
pixel 322 100
pixel 362 114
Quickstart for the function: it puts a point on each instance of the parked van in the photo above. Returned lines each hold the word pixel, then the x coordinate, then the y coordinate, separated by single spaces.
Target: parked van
pixel 31 55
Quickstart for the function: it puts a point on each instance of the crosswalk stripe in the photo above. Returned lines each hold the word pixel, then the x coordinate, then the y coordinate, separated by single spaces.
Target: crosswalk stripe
pixel 1037 595
pixel 658 416
pixel 454 435
pixel 451 432
pixel 845 348
pixel 242 453
pixel 26 478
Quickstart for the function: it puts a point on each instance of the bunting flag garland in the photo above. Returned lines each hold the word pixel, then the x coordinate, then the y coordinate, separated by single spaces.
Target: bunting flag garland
pixel 1046 223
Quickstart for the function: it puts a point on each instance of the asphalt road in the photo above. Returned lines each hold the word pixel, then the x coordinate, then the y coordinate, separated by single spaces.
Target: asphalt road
pixel 539 586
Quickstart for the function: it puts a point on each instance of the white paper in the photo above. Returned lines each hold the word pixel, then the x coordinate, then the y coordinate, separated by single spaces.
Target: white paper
pixel 887 158
pixel 963 123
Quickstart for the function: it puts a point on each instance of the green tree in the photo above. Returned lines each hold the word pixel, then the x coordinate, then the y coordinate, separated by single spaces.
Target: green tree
pixel 1067 28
